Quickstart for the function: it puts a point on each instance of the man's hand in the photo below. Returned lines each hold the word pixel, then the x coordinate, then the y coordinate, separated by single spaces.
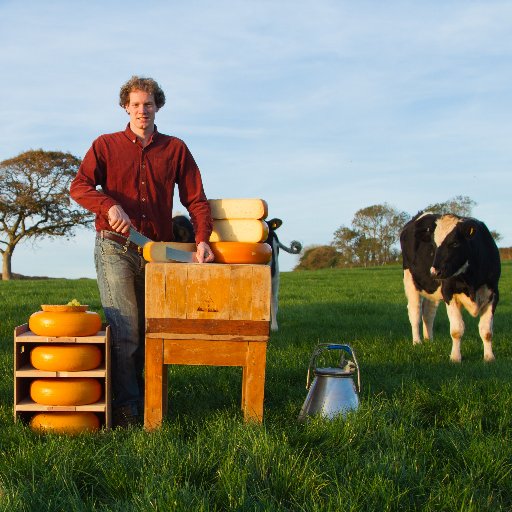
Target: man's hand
pixel 118 220
pixel 204 254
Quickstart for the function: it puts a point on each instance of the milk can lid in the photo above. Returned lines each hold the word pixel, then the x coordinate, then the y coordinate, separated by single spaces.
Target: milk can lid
pixel 334 372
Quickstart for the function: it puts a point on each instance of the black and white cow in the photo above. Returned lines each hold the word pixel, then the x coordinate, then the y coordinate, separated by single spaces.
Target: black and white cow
pixel 275 244
pixel 454 259
pixel 182 229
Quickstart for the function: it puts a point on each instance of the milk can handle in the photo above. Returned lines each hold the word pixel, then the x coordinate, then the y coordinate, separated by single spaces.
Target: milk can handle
pixel 332 346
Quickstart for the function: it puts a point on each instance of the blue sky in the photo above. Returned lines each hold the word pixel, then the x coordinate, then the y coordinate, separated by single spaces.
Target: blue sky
pixel 320 107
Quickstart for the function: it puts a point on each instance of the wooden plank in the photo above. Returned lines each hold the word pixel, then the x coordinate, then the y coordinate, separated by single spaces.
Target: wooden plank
pixel 108 386
pixel 206 337
pixel 29 405
pixel 253 382
pixel 20 329
pixel 261 293
pixel 156 292
pixel 30 337
pixel 241 293
pixel 198 352
pixel 154 386
pixel 205 326
pixel 29 371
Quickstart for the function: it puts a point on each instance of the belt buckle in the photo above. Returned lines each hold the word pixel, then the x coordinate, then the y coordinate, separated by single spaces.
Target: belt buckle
pixel 126 245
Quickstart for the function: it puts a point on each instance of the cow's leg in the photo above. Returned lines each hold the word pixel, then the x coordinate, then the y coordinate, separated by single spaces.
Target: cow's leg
pixel 428 314
pixel 485 329
pixel 413 306
pixel 274 303
pixel 275 284
pixel 456 328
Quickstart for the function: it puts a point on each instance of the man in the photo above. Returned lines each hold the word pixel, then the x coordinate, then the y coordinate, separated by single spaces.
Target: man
pixel 127 179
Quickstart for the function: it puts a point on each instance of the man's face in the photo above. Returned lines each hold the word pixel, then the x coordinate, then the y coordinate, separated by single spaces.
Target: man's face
pixel 142 110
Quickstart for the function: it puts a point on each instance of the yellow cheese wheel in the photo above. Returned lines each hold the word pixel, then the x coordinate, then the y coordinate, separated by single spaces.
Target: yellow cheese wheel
pixel 239 230
pixel 66 323
pixel 64 422
pixel 238 208
pixel 65 391
pixel 241 252
pixel 155 251
pixel 65 357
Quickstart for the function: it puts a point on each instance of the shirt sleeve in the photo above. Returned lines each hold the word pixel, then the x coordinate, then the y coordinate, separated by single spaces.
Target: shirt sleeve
pixel 90 175
pixel 192 196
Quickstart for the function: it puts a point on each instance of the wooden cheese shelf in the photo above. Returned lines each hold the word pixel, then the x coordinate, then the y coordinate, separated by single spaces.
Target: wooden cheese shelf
pixel 24 373
pixel 29 371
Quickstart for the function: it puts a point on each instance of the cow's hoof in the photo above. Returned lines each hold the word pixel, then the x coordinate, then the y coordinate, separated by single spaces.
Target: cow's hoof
pixel 274 328
pixel 416 342
pixel 455 359
pixel 489 359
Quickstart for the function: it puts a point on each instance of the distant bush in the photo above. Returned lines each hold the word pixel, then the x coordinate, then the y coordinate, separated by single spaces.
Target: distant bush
pixel 318 257
pixel 505 253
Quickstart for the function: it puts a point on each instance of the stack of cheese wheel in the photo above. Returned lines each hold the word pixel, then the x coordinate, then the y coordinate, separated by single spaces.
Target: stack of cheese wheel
pixel 65 391
pixel 239 231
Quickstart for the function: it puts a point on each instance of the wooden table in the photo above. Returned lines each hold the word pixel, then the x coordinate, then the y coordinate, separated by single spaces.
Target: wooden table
pixel 206 314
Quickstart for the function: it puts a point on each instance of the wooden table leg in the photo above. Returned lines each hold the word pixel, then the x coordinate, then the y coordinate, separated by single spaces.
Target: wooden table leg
pixel 253 381
pixel 154 383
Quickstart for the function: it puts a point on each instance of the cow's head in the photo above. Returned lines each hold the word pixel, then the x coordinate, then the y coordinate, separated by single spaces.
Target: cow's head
pixel 182 229
pixel 452 237
pixel 273 224
pixel 417 239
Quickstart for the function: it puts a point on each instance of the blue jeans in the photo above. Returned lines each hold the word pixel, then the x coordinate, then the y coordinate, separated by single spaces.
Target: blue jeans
pixel 121 275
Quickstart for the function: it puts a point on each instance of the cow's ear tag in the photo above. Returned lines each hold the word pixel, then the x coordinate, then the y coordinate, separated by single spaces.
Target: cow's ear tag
pixel 471 231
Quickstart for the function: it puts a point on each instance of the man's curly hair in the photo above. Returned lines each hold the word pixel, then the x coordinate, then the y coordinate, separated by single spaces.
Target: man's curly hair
pixel 138 83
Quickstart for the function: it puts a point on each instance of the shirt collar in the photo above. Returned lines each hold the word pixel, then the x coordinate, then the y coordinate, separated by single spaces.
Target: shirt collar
pixel 133 137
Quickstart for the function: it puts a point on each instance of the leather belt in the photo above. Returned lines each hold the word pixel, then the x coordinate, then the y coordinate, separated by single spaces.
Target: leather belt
pixel 120 239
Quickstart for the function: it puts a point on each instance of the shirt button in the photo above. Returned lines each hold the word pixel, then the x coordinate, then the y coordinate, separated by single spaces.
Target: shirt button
pixel 143 216
pixel 142 182
pixel 143 198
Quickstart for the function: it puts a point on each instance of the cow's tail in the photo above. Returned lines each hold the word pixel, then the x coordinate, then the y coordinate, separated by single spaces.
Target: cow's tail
pixel 295 247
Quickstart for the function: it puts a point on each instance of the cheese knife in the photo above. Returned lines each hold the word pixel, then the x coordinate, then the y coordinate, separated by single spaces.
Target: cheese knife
pixel 170 253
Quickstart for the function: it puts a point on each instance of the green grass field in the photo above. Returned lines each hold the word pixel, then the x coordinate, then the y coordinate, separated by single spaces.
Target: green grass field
pixel 429 435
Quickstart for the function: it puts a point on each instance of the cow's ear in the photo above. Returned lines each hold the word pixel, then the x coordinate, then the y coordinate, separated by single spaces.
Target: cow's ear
pixel 274 223
pixel 469 228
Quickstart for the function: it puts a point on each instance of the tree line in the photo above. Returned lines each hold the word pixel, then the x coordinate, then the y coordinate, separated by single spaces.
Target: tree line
pixel 373 237
pixel 35 204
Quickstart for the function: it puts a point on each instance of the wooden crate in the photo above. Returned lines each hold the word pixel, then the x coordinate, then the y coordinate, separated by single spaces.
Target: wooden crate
pixel 207 299
pixel 208 314
pixel 25 340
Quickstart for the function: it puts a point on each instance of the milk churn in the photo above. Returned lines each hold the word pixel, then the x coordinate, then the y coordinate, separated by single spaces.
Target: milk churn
pixel 333 390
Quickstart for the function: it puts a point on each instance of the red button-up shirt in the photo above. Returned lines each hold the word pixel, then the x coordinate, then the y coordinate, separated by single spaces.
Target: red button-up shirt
pixel 141 180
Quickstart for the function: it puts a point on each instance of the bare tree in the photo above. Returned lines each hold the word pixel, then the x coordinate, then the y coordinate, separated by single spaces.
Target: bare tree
pixel 34 200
